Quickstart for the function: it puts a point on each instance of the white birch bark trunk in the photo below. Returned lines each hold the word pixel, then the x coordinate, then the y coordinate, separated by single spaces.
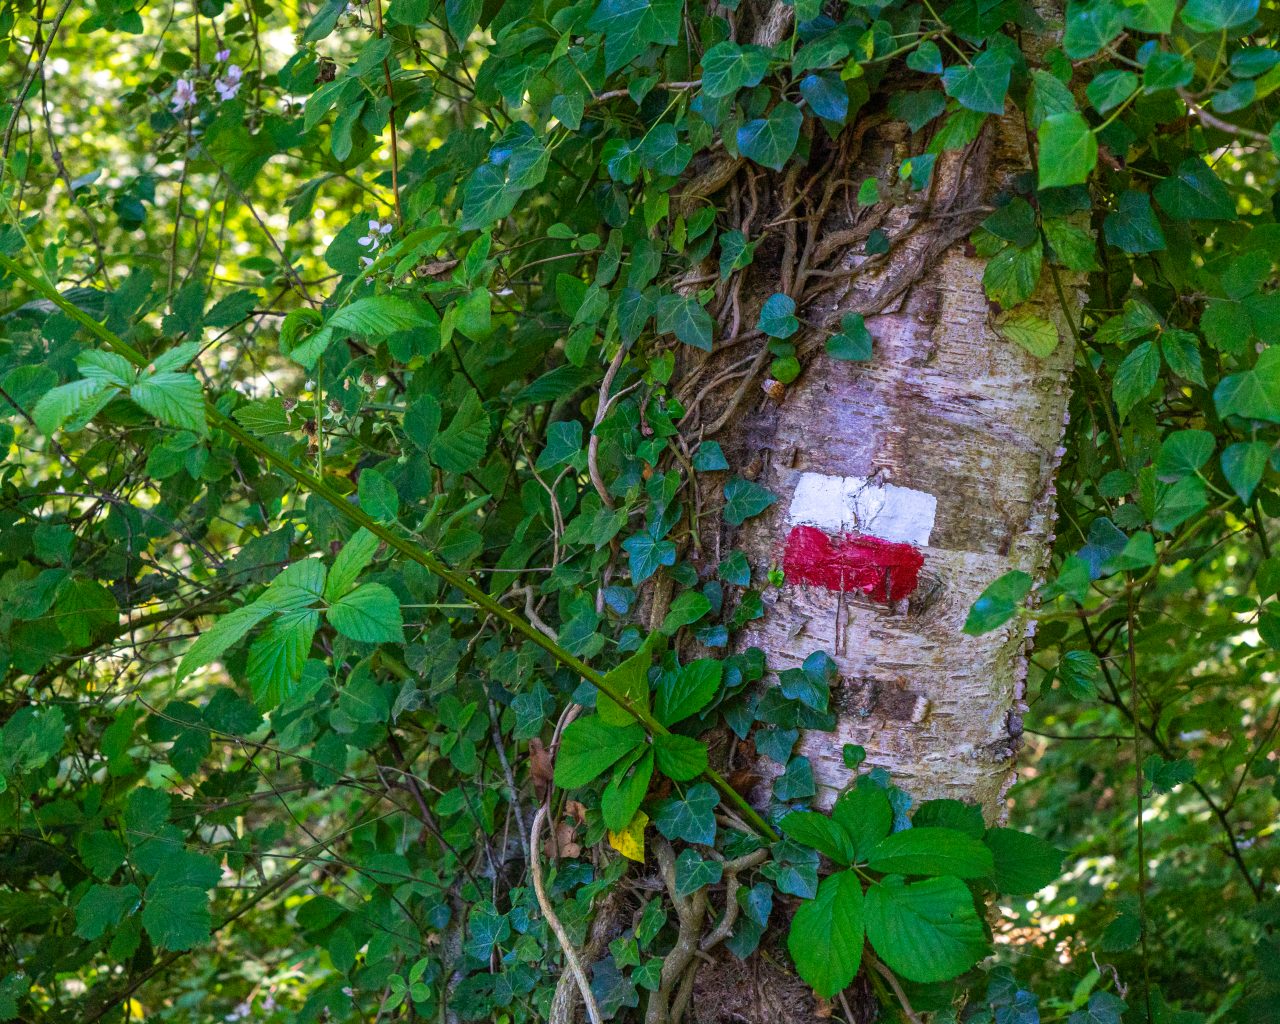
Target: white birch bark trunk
pixel 945 407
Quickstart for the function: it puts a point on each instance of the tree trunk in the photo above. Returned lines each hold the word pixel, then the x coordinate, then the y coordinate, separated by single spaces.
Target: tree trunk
pixel 946 442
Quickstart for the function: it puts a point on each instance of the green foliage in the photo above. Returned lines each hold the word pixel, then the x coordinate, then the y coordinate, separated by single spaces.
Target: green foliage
pixel 358 415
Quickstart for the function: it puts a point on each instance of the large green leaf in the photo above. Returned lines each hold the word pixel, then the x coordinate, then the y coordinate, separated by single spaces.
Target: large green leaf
pixel 377 316
pixel 866 816
pixel 369 614
pixel 630 680
pixel 589 746
pixel 59 404
pixel 218 638
pixel 826 935
pixel 1253 394
pixel 817 830
pixel 277 657
pixel 687 690
pixel 925 931
pixel 1024 864
pixel 931 851
pixel 175 399
pixel 461 446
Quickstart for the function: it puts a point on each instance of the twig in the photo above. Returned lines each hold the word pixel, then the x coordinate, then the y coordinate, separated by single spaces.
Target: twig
pixel 562 937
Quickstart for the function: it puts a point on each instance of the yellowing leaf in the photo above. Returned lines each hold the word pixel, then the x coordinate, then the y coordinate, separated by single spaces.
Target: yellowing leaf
pixel 1034 333
pixel 630 841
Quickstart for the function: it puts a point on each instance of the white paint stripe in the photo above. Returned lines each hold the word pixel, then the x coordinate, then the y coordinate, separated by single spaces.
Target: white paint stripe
pixel 841 504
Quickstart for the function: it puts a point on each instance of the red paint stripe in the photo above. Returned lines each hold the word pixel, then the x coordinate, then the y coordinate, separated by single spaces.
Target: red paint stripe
pixel 881 569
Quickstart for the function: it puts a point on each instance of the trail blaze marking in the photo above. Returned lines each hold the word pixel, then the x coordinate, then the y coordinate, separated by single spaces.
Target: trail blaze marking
pixel 850 534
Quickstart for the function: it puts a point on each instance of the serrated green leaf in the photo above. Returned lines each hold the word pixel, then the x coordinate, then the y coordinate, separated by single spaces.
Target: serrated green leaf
pixel 827 934
pixel 369 614
pixel 925 931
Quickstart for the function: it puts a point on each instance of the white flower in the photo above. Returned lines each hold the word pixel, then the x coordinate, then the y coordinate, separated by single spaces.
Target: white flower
pixel 378 230
pixel 222 55
pixel 184 95
pixel 229 84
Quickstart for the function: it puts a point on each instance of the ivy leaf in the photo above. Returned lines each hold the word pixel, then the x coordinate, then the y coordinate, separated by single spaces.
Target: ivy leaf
pixel 629 26
pixel 589 746
pixel 1111 88
pixel 691 818
pixel 827 933
pixel 1243 464
pixel 1182 453
pixel 687 690
pixel 1133 226
pixel 1024 864
pixel 854 340
pixel 487 197
pixel 981 85
pixel 1215 15
pixel 175 399
pixel 686 318
pixel 694 873
pixel 777 316
pixel 460 446
pixel 1090 26
pixel 771 140
pixel 931 851
pixel 1253 394
pixel 998 603
pixel 1194 192
pixel 826 95
pixel 925 931
pixel 1103 1008
pixel 1178 504
pixel 709 457
pixel 745 499
pixel 646 555
pixel 728 67
pixel 1068 150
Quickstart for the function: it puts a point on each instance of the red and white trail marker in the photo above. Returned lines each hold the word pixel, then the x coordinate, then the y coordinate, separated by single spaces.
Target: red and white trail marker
pixel 848 533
